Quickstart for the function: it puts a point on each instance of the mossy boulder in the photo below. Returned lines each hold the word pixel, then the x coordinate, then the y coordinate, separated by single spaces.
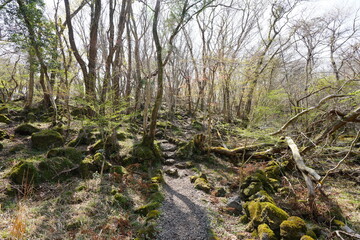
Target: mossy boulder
pixel 265 212
pixel 69 152
pixel 141 152
pixel 46 139
pixel 192 148
pixel 306 237
pixel 92 164
pixel 3 135
pixel 265 233
pixel 262 196
pixel 84 137
pixel 254 183
pixel 203 185
pixel 292 228
pixel 38 170
pixel 4 119
pixel 145 209
pixel 26 129
pixel 274 169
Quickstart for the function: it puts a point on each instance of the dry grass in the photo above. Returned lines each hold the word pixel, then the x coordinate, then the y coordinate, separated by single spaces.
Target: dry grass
pixel 18 227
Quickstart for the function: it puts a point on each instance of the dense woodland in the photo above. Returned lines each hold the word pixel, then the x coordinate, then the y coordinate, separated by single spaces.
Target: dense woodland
pixel 107 107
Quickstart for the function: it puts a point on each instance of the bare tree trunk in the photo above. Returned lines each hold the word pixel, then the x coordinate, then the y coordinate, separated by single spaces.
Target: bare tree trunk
pixel 148 138
pixel 30 92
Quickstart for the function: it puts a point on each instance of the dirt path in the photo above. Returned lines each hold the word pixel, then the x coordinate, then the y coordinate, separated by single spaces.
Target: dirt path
pixel 183 213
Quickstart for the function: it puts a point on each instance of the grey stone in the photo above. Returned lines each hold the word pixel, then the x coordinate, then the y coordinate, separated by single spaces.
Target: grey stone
pixel 173 172
pixel 167 147
pixel 169 161
pixel 235 203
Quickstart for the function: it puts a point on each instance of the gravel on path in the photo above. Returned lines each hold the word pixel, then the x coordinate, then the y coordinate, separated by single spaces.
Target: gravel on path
pixel 183 212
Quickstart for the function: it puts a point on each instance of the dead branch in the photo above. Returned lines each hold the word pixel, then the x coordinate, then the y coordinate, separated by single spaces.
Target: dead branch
pixel 308 173
pixel 321 182
pixel 350 117
pixel 321 102
pixel 239 150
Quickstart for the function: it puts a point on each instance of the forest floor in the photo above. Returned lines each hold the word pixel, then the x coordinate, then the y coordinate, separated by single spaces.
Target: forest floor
pixel 110 206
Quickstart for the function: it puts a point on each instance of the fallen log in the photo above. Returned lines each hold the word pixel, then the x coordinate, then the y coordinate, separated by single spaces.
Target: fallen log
pixel 249 150
pixel 309 174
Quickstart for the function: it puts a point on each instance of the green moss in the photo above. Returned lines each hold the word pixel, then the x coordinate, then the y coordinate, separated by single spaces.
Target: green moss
pixel 154 187
pixel 153 214
pixel 244 219
pixel 69 152
pixel 306 237
pixel 157 197
pixel 97 146
pixel 265 232
pixel 25 171
pixel 252 188
pixel 254 183
pixel 46 139
pixel 193 178
pixel 4 119
pixel 262 196
pixel 293 228
pixel 84 137
pixel 38 170
pixel 93 164
pixel 144 210
pixel 80 188
pixel 265 212
pixel 54 168
pixel 26 129
pixel 122 200
pixel 203 185
pixel 157 179
pixel 119 170
pixel 141 152
pixel 311 233
pixel 338 223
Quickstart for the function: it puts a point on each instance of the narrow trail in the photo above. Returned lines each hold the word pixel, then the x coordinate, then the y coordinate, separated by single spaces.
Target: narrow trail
pixel 183 212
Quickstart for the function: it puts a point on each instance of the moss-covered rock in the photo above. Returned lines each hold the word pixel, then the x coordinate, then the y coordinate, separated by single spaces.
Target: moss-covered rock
pixel 292 228
pixel 46 139
pixel 38 170
pixel 141 153
pixel 69 152
pixel 4 119
pixel 145 209
pixel 84 137
pixel 262 196
pixel 203 185
pixel 254 183
pixel 265 233
pixel 122 200
pixel 93 164
pixel 153 214
pixel 192 148
pixel 265 212
pixel 306 237
pixel 26 129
